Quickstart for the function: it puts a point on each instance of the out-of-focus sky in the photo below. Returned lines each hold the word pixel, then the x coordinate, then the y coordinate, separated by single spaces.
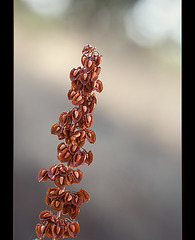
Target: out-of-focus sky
pixel 134 181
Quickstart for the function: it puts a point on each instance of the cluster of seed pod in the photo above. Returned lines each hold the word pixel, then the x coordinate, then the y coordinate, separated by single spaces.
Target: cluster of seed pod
pixel 66 201
pixel 74 128
pixel 56 227
pixel 61 175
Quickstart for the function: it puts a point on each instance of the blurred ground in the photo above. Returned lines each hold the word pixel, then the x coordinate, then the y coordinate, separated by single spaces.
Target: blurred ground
pixel 134 181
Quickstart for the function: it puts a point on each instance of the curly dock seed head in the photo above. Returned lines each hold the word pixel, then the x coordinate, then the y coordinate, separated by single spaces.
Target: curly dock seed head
pixel 73 128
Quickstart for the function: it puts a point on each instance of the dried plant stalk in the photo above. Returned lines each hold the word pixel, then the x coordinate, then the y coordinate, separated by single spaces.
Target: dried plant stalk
pixel 74 128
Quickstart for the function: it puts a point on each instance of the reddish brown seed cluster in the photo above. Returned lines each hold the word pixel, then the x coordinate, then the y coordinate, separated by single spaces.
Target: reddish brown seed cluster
pixel 74 128
pixel 56 227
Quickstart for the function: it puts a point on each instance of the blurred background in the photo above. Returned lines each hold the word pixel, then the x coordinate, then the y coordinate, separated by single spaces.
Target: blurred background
pixel 135 179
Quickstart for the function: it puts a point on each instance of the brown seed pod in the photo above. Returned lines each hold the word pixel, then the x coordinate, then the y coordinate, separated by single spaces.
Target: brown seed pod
pixel 88 120
pixel 65 118
pixel 78 199
pixel 85 78
pixel 64 156
pixel 77 85
pixel 89 158
pixel 48 200
pixel 86 197
pixel 70 178
pixel 87 49
pixel 43 175
pixel 56 129
pixel 60 181
pixel 73 148
pixel 68 198
pixel 74 229
pixel 77 99
pixel 76 115
pixel 77 160
pixel 91 136
pixel 78 175
pixel 52 193
pixel 73 211
pixel 88 88
pixel 45 215
pixel 98 86
pixel 40 230
pixel 74 73
pixel 53 171
pixel 56 204
pixel 71 93
pixel 57 230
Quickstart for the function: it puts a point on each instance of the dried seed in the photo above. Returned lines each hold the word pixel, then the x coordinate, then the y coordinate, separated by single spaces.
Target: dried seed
pixel 76 113
pixel 72 93
pixel 75 73
pixel 72 227
pixel 88 119
pixel 79 98
pixel 57 203
pixel 43 228
pixel 46 215
pixel 85 76
pixel 89 134
pixel 58 228
pixel 53 170
pixel 76 174
pixel 74 147
pixel 62 169
pixel 100 60
pixel 52 192
pixel 61 191
pixel 77 134
pixel 78 157
pixel 58 128
pixel 67 155
pixel 84 108
pixel 82 134
pixel 61 180
pixel 62 147
pixel 93 75
pixel 69 198
pixel 89 63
